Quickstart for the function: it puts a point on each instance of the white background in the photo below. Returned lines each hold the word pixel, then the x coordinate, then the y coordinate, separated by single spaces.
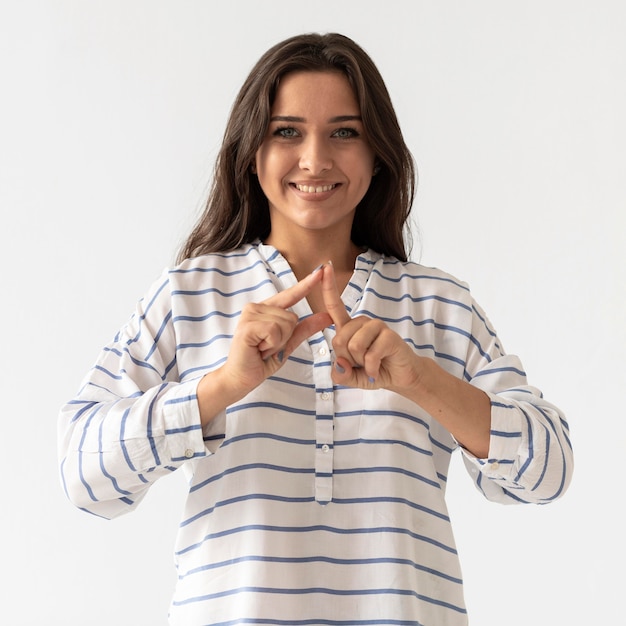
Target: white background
pixel 111 114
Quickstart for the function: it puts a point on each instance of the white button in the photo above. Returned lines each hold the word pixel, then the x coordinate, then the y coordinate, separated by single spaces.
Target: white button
pixel 325 395
pixel 189 453
pixel 325 448
pixel 323 351
pixel 495 465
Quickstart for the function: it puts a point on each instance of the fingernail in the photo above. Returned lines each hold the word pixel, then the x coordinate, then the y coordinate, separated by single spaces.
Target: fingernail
pixel 340 369
pixel 318 268
pixel 371 380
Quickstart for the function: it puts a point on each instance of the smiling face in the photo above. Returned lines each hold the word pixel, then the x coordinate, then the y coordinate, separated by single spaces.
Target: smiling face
pixel 315 164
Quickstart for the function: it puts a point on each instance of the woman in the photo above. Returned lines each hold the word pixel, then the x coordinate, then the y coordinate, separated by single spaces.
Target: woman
pixel 311 381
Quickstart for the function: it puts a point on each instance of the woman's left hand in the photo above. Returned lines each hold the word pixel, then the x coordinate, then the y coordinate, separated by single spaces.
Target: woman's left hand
pixel 368 354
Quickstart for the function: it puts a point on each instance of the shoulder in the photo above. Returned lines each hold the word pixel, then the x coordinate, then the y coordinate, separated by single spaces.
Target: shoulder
pixel 216 266
pixel 414 276
pixel 215 261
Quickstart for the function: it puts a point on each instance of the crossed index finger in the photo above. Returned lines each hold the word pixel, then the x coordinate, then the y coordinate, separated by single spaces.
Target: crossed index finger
pixel 289 297
pixel 332 299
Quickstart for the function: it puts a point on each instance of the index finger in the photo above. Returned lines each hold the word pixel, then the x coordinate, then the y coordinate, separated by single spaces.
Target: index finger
pixel 288 297
pixel 332 299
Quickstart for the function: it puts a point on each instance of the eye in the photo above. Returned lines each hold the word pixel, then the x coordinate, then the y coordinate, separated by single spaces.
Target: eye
pixel 286 132
pixel 346 133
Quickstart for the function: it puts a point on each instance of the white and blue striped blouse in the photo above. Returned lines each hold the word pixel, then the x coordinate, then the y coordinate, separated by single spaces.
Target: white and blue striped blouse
pixel 309 503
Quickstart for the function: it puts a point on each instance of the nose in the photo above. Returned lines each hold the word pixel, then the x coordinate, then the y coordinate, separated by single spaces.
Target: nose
pixel 315 156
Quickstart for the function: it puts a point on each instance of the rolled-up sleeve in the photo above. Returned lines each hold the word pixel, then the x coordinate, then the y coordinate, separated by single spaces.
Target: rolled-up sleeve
pixel 530 453
pixel 132 421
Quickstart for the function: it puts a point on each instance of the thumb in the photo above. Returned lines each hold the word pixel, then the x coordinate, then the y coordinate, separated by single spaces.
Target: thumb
pixel 348 375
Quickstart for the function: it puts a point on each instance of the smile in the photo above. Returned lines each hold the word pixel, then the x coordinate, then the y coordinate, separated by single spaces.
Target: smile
pixel 317 189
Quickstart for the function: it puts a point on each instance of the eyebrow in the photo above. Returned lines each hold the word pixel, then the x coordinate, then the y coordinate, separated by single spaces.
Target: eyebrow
pixel 332 120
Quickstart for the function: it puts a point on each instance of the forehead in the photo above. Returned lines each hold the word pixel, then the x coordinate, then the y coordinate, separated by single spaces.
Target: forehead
pixel 315 93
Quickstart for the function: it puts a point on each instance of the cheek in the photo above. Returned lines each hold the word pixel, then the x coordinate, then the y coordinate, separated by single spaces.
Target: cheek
pixel 271 165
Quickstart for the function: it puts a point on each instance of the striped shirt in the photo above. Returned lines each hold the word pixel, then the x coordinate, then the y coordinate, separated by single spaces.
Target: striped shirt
pixel 309 503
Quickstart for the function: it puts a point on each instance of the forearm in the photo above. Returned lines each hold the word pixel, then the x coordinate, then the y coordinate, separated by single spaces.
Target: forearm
pixel 461 408
pixel 111 452
pixel 215 393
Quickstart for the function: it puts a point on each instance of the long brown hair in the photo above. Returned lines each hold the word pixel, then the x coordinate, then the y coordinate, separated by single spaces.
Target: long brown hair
pixel 237 211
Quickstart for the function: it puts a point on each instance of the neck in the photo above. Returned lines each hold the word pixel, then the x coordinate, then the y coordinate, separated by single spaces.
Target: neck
pixel 305 255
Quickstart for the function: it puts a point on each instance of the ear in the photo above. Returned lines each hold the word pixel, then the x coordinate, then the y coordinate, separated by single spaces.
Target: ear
pixel 253 168
pixel 376 168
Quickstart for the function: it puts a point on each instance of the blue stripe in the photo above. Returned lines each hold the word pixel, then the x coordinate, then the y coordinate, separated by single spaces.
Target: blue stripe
pixel 413 505
pixel 80 454
pixel 381 469
pixel 159 334
pixel 313 622
pixel 217 270
pixel 268 405
pixel 203 318
pixel 184 429
pixel 317 528
pixel 564 470
pixel 431 348
pixel 245 468
pixel 123 440
pixel 192 371
pixel 82 411
pixel 398 442
pixel 502 433
pixel 497 370
pixel 113 480
pixel 296 383
pixel 275 437
pixel 190 398
pixel 488 329
pixel 245 498
pixel 224 294
pixel 414 299
pixel 321 590
pixel 322 559
pixel 149 434
pixel 406 275
pixel 203 344
pixel 143 316
pixel 531 447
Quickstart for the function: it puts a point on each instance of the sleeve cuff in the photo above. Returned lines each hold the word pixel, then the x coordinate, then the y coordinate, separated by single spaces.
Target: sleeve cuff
pixel 183 432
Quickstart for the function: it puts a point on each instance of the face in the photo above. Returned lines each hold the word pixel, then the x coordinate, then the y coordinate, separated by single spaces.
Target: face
pixel 315 163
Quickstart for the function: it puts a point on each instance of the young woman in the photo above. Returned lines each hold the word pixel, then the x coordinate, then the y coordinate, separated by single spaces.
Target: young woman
pixel 311 381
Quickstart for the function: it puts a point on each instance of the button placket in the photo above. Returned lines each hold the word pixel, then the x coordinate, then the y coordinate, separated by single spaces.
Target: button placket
pixel 324 422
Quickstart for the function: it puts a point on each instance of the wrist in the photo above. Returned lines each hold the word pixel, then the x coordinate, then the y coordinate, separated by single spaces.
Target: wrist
pixel 414 378
pixel 215 392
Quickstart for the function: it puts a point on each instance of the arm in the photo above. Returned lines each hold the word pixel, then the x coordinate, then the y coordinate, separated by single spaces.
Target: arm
pixel 509 433
pixel 267 333
pixel 132 421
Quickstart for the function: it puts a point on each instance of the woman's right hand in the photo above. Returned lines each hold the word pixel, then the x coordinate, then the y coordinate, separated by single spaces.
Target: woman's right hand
pixel 267 333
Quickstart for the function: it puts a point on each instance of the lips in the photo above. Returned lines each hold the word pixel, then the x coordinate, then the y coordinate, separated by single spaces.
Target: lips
pixel 314 188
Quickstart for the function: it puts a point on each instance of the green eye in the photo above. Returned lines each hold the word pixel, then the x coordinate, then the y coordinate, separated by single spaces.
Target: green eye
pixel 346 133
pixel 286 132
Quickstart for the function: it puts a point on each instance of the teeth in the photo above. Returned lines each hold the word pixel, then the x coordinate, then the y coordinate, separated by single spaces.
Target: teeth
pixel 309 189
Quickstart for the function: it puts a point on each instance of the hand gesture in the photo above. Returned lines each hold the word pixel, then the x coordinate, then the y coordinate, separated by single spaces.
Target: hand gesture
pixel 368 354
pixel 267 333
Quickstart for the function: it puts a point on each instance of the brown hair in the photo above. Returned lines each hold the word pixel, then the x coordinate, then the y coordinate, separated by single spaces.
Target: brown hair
pixel 237 211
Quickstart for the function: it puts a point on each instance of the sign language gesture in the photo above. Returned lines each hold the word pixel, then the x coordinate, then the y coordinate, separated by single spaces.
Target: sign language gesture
pixel 368 354
pixel 267 333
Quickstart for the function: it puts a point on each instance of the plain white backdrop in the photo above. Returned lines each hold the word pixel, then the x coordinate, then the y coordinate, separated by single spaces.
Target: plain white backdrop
pixel 111 114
